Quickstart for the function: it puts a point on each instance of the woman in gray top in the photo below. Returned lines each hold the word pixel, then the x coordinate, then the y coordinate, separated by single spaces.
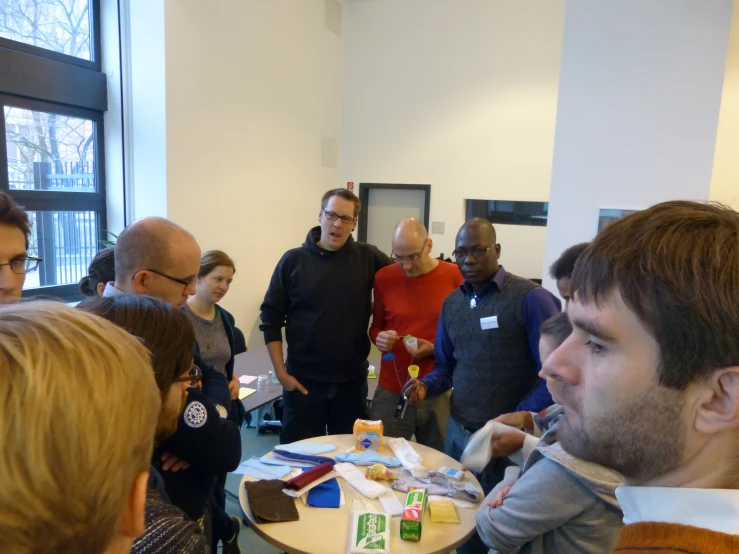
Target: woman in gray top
pixel 214 332
pixel 214 325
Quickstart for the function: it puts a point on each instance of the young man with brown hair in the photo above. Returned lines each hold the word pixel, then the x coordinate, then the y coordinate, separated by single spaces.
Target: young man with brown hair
pixel 322 294
pixel 15 229
pixel 649 379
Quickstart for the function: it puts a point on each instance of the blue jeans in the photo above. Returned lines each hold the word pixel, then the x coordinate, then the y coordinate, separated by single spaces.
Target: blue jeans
pixel 457 438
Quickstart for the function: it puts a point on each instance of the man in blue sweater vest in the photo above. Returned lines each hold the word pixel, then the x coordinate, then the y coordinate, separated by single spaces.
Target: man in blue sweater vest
pixel 487 344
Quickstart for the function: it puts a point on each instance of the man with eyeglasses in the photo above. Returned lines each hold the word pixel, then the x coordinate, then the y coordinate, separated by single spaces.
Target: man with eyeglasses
pixel 15 263
pixel 487 345
pixel 322 293
pixel 156 257
pixel 408 299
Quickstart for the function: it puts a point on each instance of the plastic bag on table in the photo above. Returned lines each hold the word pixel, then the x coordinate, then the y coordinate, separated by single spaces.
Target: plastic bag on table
pixel 369 532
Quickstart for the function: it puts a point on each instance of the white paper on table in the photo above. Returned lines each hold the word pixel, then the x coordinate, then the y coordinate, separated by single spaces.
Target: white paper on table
pixel 246 379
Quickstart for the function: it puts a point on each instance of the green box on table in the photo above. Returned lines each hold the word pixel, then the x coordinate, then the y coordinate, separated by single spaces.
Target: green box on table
pixel 411 522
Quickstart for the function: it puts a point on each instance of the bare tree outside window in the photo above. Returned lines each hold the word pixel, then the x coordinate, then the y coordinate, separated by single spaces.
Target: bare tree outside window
pixel 58 25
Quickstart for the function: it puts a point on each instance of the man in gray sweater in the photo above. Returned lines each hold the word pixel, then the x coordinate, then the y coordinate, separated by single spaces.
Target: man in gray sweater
pixel 557 502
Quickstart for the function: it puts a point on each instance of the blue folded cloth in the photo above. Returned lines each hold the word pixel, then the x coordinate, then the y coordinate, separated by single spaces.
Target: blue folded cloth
pixel 269 459
pixel 325 495
pixel 367 458
pixel 291 456
pixel 259 470
pixel 308 448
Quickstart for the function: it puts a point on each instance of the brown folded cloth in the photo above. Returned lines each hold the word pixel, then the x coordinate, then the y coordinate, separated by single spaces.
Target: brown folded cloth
pixel 308 476
pixel 268 503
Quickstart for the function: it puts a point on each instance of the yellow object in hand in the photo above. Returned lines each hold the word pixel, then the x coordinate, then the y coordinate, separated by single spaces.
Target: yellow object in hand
pixel 443 511
pixel 413 371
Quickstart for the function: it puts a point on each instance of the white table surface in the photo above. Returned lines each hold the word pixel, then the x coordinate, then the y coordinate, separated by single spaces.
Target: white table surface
pixel 326 530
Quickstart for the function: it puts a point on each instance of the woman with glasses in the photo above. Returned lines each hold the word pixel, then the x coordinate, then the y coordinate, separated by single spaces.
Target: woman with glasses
pixel 211 444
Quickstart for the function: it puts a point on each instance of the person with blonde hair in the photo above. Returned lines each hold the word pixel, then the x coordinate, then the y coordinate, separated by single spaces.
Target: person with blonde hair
pixel 72 477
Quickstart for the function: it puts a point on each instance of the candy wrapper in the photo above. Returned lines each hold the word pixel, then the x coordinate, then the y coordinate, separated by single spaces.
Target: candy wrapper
pixel 379 472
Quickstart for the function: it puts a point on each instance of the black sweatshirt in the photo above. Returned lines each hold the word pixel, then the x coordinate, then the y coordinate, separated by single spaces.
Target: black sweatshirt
pixel 324 301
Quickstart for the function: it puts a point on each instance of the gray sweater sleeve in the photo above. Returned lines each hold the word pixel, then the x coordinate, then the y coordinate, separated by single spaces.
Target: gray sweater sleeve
pixel 544 498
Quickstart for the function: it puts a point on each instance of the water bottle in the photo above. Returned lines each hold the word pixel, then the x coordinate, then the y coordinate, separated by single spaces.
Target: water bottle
pixel 273 377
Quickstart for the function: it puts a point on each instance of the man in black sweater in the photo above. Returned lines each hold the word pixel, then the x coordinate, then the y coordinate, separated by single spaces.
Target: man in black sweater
pixel 322 294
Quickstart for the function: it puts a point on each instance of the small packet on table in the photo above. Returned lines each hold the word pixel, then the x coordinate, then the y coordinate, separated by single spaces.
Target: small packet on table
pixel 443 511
pixel 370 530
pixel 368 434
pixel 378 472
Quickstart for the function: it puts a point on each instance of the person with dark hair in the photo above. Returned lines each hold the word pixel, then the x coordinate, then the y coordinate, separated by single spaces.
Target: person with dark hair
pixel 214 332
pixel 322 294
pixel 15 263
pixel 100 272
pixel 486 347
pixel 166 332
pixel 649 379
pixel 554 502
pixel 561 270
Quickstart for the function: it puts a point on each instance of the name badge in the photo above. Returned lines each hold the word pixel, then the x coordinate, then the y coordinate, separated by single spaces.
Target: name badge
pixel 489 322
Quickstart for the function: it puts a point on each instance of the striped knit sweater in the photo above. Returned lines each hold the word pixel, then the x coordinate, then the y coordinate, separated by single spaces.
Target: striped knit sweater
pixel 669 538
pixel 168 530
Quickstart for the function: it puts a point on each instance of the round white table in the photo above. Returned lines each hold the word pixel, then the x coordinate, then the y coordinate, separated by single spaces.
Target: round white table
pixel 326 530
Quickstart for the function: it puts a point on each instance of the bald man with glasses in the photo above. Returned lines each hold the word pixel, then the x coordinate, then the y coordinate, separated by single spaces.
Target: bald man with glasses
pixel 408 299
pixel 156 257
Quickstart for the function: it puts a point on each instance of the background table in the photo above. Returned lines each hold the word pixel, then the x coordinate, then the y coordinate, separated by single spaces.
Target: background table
pixel 326 531
pixel 256 362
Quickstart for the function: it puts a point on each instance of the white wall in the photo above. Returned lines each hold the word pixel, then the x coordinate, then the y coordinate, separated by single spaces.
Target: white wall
pixel 640 87
pixel 725 180
pixel 460 95
pixel 251 89
pixel 144 113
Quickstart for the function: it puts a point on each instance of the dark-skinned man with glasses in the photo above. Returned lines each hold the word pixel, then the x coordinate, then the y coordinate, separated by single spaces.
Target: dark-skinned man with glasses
pixel 322 294
pixel 408 299
pixel 487 347
pixel 156 257
pixel 15 262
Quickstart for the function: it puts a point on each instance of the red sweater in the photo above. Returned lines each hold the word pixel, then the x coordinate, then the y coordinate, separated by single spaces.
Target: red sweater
pixel 410 306
pixel 669 538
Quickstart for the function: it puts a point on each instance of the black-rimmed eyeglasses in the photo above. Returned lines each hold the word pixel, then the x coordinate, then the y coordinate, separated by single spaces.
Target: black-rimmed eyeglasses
pixel 192 377
pixel 21 266
pixel 333 216
pixel 461 254
pixel 184 282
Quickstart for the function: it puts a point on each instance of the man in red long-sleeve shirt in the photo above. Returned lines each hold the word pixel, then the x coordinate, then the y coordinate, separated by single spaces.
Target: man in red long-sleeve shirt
pixel 408 298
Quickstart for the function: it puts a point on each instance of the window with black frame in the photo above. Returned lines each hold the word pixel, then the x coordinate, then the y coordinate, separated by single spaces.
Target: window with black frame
pixel 53 96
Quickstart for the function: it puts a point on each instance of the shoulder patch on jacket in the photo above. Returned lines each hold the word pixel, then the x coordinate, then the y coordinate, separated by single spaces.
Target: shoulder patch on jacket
pixel 195 415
